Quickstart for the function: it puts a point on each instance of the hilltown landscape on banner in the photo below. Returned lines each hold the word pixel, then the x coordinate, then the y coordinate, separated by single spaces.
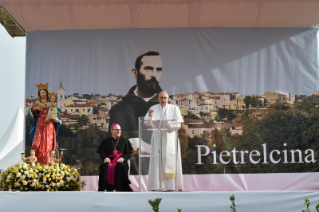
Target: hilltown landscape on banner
pixel 227 132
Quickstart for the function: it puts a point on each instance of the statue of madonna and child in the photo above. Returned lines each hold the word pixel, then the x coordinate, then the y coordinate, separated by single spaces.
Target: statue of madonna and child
pixel 45 120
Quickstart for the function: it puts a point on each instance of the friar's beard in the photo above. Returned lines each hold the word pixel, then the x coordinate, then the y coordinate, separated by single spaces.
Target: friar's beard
pixel 149 87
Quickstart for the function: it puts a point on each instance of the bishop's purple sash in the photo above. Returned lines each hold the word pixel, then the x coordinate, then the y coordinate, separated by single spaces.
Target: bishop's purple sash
pixel 111 167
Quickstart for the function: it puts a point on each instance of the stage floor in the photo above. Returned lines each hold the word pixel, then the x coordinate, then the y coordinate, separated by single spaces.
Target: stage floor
pixel 230 182
pixel 250 201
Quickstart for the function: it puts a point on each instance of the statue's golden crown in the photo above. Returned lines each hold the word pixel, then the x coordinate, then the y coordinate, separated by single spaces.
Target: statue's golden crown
pixel 53 94
pixel 42 86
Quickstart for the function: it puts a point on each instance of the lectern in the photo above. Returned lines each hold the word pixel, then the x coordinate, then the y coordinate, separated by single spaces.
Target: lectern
pixel 158 140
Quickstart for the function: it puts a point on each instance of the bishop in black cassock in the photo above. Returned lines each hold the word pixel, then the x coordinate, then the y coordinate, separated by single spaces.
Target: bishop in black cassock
pixel 114 152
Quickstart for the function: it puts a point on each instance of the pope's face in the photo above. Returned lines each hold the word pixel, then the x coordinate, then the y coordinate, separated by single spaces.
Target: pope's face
pixel 116 131
pixel 163 98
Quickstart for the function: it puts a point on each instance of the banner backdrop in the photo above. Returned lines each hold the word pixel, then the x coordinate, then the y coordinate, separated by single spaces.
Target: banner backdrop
pixel 249 97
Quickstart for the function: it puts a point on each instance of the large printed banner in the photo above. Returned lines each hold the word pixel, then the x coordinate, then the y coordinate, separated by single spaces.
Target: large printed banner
pixel 249 97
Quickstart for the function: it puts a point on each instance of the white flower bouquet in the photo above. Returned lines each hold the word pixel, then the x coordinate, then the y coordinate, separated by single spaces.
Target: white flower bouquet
pixel 57 177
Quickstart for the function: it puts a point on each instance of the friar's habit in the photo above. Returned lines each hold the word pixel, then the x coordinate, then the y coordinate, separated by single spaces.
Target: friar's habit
pixel 121 180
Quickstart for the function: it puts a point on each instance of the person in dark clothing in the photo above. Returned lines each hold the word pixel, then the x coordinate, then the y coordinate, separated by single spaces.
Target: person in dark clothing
pixel 136 102
pixel 114 153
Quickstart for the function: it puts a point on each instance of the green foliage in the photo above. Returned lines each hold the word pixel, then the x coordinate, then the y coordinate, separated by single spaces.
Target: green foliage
pixel 247 101
pixel 309 104
pixel 88 96
pixel 110 95
pixel 193 116
pixel 82 121
pixel 251 101
pixel 307 204
pixel 155 204
pixel 81 147
pixel 230 116
pixel 223 114
pixel 233 205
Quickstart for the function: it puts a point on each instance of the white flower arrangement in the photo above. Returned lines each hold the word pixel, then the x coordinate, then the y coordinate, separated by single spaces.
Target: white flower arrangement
pixel 58 177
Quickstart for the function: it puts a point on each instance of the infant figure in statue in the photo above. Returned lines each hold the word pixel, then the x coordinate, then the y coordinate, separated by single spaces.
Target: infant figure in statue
pixel 52 160
pixel 32 159
pixel 53 111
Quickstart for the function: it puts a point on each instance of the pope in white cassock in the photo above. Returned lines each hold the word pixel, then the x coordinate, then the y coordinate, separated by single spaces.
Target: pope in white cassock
pixel 165 173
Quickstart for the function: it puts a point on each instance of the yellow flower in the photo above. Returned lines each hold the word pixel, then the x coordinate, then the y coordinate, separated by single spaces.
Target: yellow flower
pixel 59 178
pixel 44 176
pixel 48 189
pixel 53 178
pixel 67 186
pixel 49 179
pixel 21 188
pixel 16 172
pixel 9 186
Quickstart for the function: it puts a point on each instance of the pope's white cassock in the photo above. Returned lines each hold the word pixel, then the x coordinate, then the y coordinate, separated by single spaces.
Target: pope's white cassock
pixel 164 172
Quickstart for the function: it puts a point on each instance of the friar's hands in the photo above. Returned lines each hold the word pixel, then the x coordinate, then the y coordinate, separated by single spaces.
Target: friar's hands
pixel 107 160
pixel 150 112
pixel 120 160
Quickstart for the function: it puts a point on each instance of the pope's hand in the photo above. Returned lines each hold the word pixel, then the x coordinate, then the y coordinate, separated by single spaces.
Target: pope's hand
pixel 107 160
pixel 169 127
pixel 150 112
